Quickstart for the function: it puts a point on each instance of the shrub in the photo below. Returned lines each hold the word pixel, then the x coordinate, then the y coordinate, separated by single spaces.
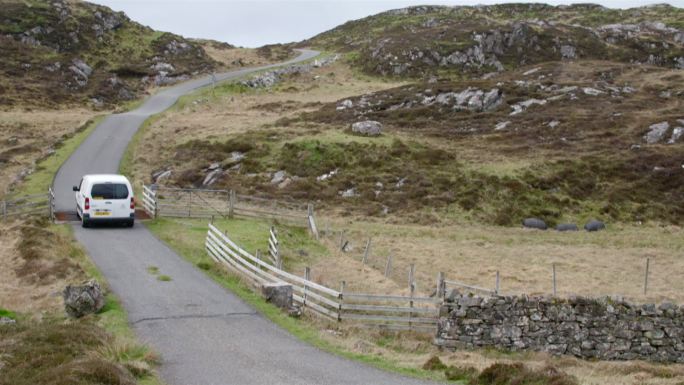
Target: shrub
pixel 434 363
pixel 518 374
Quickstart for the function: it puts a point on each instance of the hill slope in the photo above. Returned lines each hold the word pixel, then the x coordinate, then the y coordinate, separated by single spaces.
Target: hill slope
pixel 462 41
pixel 56 52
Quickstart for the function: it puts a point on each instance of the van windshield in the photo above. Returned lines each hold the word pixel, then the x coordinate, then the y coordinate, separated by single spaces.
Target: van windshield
pixel 109 191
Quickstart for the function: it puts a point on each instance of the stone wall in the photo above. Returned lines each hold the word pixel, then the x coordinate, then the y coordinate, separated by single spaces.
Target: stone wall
pixel 611 329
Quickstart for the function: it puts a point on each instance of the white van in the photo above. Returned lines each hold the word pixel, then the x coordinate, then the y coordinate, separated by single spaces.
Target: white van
pixel 105 198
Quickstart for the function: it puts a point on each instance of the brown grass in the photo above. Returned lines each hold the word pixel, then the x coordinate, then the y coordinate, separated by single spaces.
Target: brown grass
pixel 53 352
pixel 208 117
pixel 37 263
pixel 611 262
pixel 26 135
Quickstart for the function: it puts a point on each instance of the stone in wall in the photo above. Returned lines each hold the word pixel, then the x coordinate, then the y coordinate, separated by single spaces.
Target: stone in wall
pixel 609 329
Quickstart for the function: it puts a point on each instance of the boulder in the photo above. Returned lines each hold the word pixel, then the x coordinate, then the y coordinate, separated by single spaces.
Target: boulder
pixel 278 177
pixel 566 227
pixel 568 52
pixel 279 294
pixel 345 104
pixel 534 223
pixel 501 125
pixel 677 134
pixel 594 225
pixel 81 300
pixel 492 99
pixel 656 132
pixel 367 127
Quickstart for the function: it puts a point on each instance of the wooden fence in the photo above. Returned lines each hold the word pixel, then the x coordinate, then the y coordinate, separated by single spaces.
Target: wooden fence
pixel 204 203
pixel 386 311
pixel 41 204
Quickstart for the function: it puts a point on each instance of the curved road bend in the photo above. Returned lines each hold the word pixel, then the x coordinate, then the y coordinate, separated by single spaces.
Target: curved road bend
pixel 205 334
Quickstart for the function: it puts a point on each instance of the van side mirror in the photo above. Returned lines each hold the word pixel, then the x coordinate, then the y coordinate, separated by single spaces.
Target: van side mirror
pixel 75 188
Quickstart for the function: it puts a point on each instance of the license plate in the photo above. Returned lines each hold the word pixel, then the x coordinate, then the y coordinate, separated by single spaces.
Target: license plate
pixel 102 213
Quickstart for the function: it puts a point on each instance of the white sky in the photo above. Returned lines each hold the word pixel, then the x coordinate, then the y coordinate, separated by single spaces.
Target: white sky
pixel 258 22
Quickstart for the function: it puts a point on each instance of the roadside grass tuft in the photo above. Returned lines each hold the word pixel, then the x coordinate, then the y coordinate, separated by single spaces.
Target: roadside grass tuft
pixel 154 270
pixel 434 363
pixel 455 373
pixel 518 374
pixel 164 278
pixel 8 314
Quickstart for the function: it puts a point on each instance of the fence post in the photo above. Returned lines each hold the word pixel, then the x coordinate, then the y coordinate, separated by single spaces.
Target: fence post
pixel 365 252
pixel 258 254
pixel 388 266
pixel 156 206
pixel 231 204
pixel 412 289
pixel 648 262
pixel 190 204
pixel 339 311
pixel 553 267
pixel 50 211
pixel 496 290
pixel 341 239
pixel 307 277
pixel 441 288
pixel 312 220
pixel 4 210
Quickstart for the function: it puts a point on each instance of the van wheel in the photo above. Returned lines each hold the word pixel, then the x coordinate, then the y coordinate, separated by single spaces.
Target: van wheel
pixel 85 223
pixel 130 223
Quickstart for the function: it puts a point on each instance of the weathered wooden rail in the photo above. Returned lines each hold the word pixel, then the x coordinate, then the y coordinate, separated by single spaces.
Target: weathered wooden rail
pixel 35 204
pixel 204 203
pixel 392 312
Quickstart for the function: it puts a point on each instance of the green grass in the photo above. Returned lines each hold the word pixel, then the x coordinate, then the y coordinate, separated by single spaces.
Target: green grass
pixel 164 278
pixel 250 234
pixel 154 270
pixel 41 179
pixel 7 314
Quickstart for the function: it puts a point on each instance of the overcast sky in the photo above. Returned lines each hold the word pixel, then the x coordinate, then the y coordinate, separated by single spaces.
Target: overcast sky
pixel 258 22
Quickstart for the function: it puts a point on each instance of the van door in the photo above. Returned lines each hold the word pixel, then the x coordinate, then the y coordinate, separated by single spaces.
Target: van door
pixel 109 200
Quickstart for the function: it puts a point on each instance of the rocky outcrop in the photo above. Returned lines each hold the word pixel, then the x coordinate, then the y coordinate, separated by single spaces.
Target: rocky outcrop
pixel 658 132
pixel 607 328
pixel 68 51
pixel 270 78
pixel 367 127
pixel 84 299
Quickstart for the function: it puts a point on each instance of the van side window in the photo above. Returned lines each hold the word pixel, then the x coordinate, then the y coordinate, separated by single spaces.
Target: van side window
pixel 109 191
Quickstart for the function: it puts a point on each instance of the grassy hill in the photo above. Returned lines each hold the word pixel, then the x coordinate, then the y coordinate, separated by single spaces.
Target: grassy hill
pixel 465 41
pixel 57 52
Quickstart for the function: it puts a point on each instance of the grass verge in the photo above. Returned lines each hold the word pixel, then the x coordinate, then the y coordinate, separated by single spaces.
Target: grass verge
pixel 189 244
pixel 41 179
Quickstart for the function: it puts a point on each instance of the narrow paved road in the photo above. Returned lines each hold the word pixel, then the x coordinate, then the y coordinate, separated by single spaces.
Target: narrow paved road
pixel 204 333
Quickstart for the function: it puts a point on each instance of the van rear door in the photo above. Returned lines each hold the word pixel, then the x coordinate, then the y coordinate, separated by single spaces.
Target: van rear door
pixel 109 200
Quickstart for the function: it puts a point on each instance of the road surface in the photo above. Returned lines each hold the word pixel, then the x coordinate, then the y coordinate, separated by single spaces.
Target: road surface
pixel 205 334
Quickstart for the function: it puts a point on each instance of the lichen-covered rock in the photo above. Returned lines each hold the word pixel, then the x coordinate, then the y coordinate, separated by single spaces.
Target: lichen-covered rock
pixel 534 223
pixel 279 294
pixel 594 225
pixel 656 132
pixel 367 127
pixel 81 300
pixel 566 227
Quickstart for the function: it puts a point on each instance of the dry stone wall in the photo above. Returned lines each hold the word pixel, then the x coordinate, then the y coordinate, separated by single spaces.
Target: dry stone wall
pixel 611 329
